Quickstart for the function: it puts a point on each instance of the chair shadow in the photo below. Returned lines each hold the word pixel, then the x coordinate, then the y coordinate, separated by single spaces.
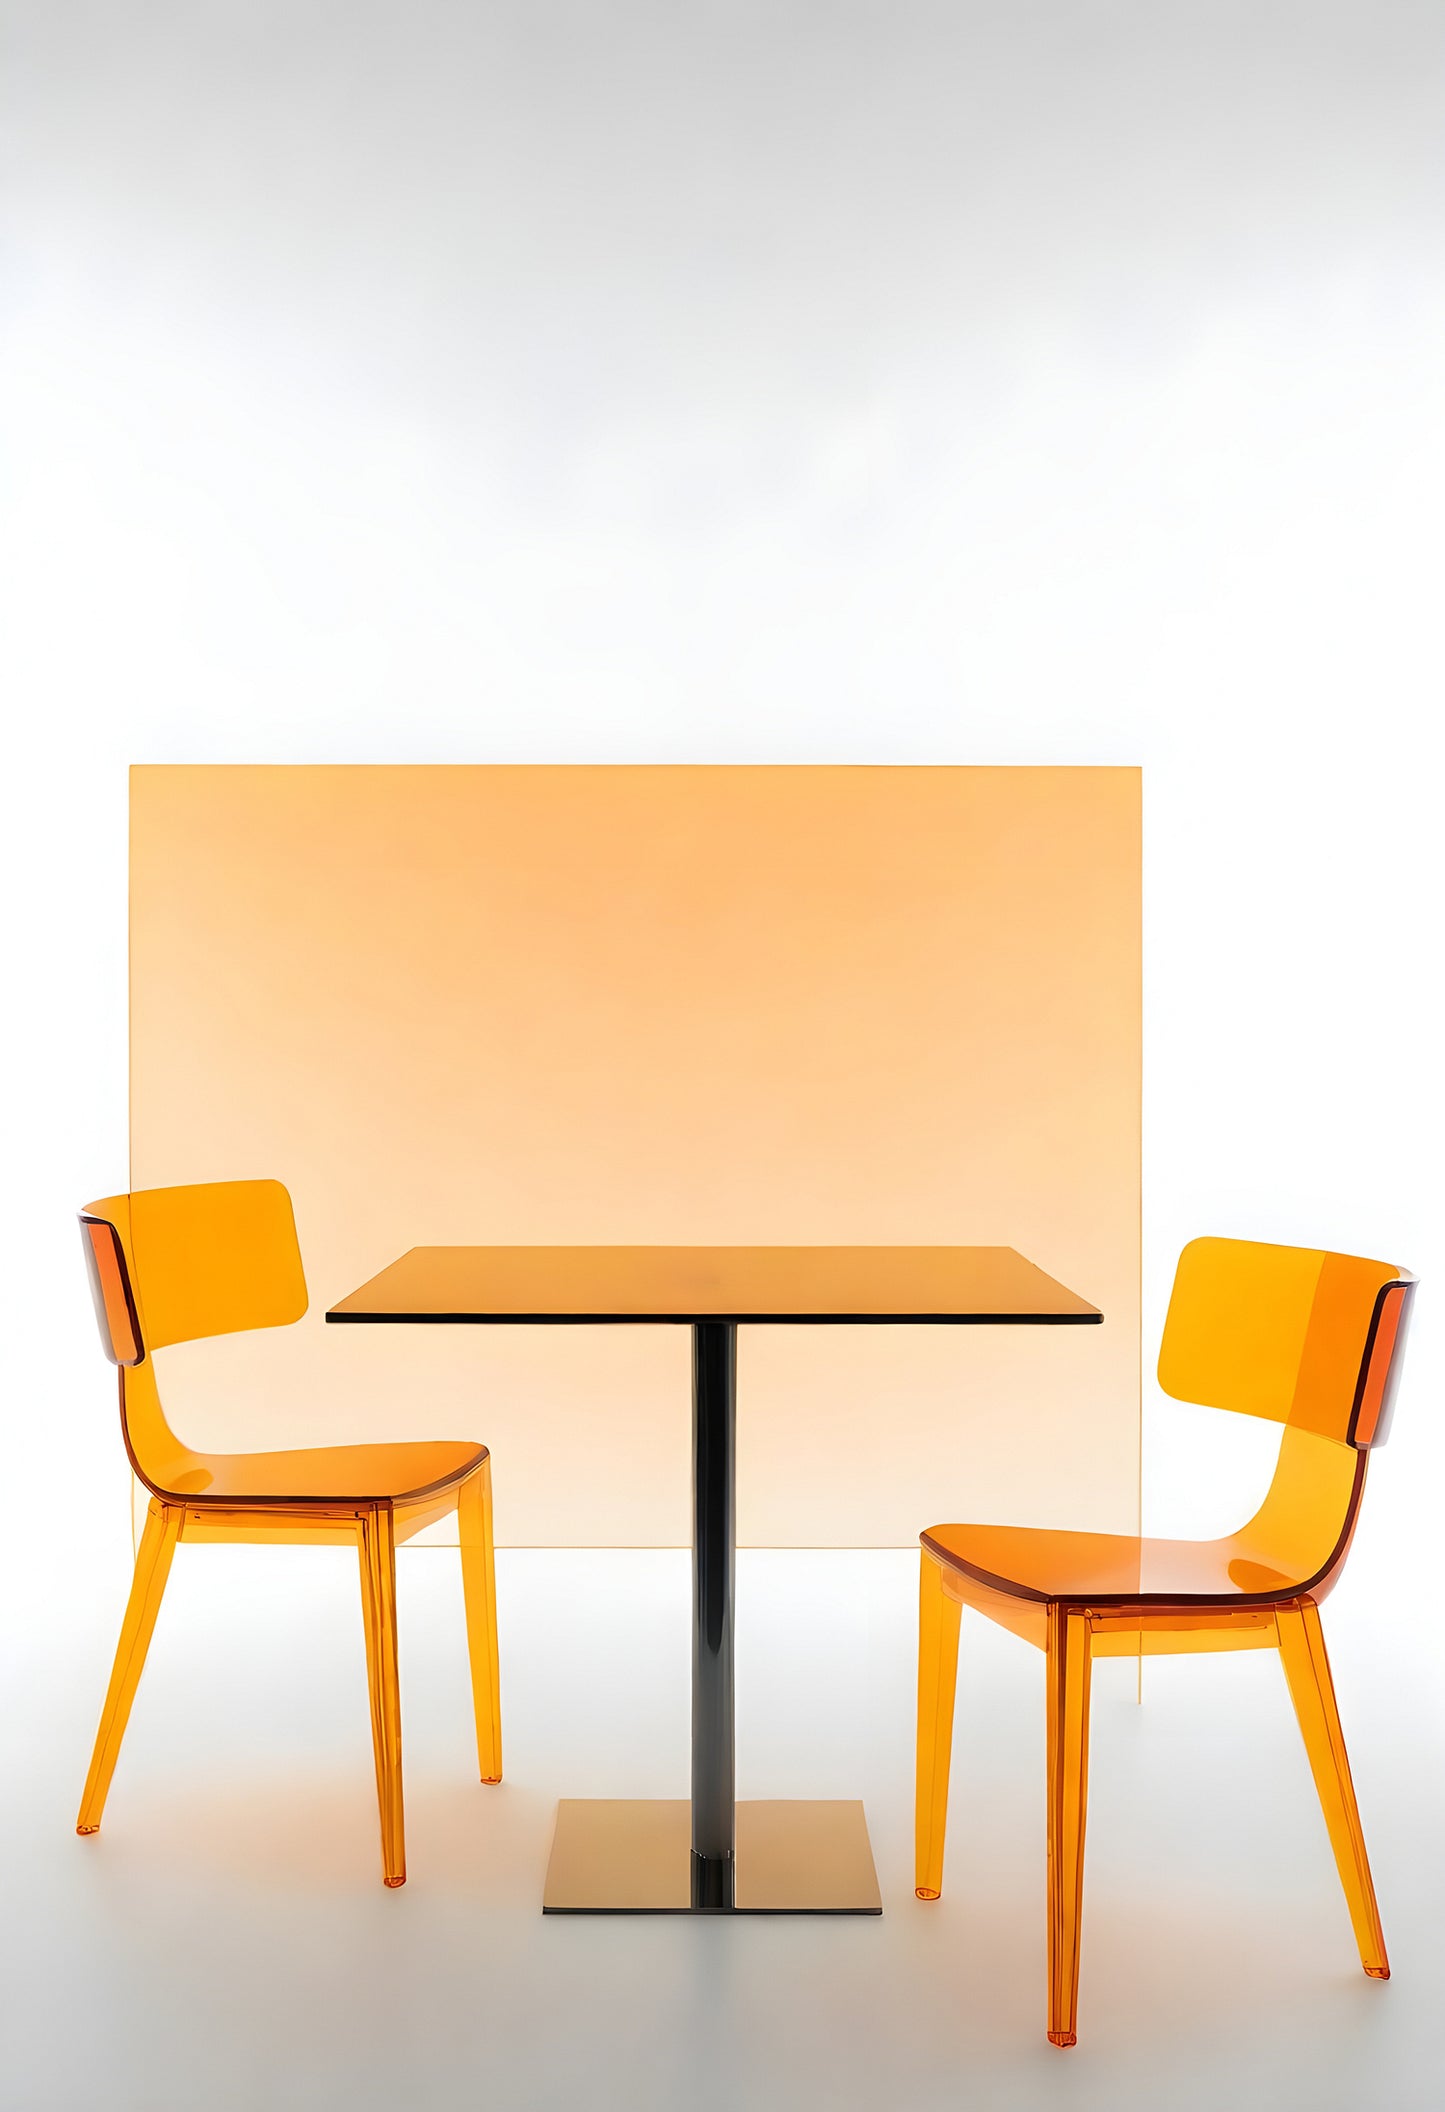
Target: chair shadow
pixel 317 1834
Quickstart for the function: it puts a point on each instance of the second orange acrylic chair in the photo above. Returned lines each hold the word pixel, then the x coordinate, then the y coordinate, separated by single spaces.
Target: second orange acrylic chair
pixel 178 1264
pixel 1308 1339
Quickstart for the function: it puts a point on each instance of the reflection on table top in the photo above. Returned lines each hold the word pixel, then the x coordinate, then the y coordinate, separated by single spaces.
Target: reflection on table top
pixel 961 1285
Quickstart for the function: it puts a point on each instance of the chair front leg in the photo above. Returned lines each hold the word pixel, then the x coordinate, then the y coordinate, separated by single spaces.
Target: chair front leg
pixel 1307 1669
pixel 152 1567
pixel 377 1548
pixel 1068 1789
pixel 479 1591
pixel 938 1624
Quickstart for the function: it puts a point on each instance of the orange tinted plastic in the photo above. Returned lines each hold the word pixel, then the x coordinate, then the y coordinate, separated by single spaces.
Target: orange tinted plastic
pixel 1307 1338
pixel 1383 1363
pixel 110 1289
pixel 1278 1332
pixel 938 1621
pixel 214 1261
pixel 1307 1668
pixel 1295 1542
pixel 474 1527
pixel 1068 1795
pixel 152 1567
pixel 377 1550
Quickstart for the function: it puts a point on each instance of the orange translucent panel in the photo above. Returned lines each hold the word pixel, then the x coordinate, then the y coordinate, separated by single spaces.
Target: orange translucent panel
pixel 1278 1332
pixel 1308 1338
pixel 514 1006
pixel 175 1264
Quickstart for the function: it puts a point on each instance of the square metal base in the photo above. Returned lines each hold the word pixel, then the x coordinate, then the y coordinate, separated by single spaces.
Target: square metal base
pixel 633 1856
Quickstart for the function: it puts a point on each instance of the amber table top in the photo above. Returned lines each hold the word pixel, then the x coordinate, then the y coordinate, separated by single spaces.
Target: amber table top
pixel 962 1285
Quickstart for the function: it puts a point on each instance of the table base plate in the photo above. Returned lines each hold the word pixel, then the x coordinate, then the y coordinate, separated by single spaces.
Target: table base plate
pixel 634 1856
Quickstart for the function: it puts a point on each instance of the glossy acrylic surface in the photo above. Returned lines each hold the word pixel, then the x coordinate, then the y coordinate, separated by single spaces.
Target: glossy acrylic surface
pixel 217 1260
pixel 1292 1543
pixel 735 1283
pixel 1306 1338
pixel 1295 1325
pixel 220 1259
pixel 110 1291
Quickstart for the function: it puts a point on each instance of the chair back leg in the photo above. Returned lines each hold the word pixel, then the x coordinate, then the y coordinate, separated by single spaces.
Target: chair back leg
pixel 938 1624
pixel 1307 1669
pixel 479 1591
pixel 1068 1790
pixel 377 1548
pixel 152 1567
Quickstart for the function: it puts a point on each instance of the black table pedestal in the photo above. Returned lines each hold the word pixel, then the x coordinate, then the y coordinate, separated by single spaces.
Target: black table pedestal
pixel 714 1534
pixel 712 1856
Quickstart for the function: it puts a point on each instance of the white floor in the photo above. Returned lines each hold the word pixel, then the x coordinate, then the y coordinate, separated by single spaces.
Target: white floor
pixel 226 1940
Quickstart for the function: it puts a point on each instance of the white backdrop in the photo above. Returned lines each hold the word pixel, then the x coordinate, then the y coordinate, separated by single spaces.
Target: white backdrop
pixel 1032 382
pixel 923 383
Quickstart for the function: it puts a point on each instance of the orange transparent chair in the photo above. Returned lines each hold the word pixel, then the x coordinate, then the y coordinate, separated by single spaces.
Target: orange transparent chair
pixel 1307 1339
pixel 176 1264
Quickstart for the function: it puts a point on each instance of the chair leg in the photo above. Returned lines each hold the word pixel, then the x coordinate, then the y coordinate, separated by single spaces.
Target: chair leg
pixel 1307 1669
pixel 1068 1742
pixel 377 1546
pixel 479 1590
pixel 938 1621
pixel 152 1567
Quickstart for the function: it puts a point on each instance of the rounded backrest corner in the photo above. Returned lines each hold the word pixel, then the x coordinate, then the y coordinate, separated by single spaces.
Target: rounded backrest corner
pixel 1195 1298
pixel 1284 1333
pixel 286 1216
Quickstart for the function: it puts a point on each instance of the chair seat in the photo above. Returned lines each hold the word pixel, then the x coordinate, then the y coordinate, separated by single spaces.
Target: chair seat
pixel 1034 1563
pixel 401 1473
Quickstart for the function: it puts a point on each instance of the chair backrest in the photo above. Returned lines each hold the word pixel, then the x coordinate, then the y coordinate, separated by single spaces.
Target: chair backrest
pixel 175 1264
pixel 1296 1335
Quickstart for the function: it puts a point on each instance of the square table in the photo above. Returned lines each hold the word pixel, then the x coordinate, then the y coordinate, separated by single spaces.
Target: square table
pixel 713 1855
